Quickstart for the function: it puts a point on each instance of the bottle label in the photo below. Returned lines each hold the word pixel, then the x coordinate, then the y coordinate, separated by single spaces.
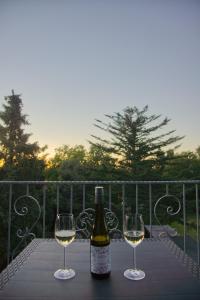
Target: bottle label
pixel 100 259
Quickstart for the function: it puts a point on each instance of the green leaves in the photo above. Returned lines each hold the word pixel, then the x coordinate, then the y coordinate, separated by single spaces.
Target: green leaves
pixel 135 138
pixel 20 157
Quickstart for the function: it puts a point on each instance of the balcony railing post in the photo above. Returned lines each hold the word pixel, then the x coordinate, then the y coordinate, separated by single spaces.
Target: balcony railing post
pixel 83 196
pixel 44 211
pixel 71 199
pixel 150 208
pixel 184 220
pixel 110 197
pixel 167 189
pixel 57 198
pixel 123 203
pixel 27 189
pixel 197 221
pixel 136 198
pixel 9 221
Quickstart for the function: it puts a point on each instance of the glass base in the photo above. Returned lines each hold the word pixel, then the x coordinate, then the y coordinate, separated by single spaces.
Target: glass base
pixel 64 274
pixel 134 274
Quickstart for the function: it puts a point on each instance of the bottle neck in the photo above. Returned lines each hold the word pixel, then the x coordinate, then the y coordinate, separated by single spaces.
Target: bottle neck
pixel 99 208
pixel 99 211
pixel 99 195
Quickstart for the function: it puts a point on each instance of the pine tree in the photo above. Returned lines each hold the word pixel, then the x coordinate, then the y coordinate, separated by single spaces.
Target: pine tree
pixel 135 139
pixel 16 150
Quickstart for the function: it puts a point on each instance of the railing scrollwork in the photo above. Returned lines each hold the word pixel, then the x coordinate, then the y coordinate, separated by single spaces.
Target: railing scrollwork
pixel 171 210
pixel 21 210
pixel 85 222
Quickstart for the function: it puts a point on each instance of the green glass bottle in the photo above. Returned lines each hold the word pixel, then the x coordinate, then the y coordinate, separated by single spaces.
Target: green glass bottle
pixel 100 258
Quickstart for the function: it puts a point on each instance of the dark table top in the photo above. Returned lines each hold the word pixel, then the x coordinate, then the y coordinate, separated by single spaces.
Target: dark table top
pixel 169 273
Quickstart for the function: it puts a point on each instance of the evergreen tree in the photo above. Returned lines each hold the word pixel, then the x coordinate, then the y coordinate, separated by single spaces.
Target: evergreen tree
pixel 17 153
pixel 136 141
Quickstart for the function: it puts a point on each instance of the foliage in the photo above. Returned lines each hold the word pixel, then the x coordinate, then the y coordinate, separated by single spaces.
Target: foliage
pixel 66 152
pixel 101 165
pixel 77 163
pixel 67 164
pixel 185 166
pixel 19 157
pixel 136 140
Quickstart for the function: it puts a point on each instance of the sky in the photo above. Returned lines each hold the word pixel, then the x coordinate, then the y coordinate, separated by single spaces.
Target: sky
pixel 75 61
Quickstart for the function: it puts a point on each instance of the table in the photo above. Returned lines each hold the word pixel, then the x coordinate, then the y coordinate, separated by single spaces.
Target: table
pixel 169 273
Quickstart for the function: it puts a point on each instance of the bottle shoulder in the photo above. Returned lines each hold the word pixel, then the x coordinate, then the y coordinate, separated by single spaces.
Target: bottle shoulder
pixel 100 240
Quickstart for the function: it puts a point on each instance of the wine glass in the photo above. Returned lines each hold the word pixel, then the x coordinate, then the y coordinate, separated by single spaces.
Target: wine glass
pixel 64 234
pixel 133 230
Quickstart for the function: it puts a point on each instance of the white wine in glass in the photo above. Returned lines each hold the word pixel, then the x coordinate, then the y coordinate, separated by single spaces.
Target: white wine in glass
pixel 64 234
pixel 133 229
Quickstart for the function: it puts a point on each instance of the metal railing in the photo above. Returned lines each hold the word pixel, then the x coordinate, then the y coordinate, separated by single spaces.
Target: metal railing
pixel 156 200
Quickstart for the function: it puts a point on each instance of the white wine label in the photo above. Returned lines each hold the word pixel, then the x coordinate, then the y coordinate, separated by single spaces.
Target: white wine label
pixel 100 259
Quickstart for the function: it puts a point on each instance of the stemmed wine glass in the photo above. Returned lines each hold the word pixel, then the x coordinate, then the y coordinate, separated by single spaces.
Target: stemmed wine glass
pixel 64 234
pixel 133 230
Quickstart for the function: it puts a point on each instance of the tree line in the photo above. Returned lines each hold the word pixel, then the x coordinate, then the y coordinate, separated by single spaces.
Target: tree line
pixel 131 144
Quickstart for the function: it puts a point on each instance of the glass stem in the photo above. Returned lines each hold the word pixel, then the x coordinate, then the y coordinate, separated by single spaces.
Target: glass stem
pixel 134 259
pixel 64 258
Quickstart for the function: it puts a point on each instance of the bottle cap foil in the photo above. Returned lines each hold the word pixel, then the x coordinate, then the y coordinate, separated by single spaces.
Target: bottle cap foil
pixel 99 194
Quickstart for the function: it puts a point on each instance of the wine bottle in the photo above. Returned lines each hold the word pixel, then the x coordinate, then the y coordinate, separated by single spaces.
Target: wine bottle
pixel 100 259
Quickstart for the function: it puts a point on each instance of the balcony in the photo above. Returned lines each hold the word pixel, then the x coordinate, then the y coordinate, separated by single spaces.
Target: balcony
pixel 169 208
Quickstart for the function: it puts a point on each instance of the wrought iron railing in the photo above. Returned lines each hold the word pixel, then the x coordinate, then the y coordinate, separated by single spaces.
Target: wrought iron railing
pixel 158 201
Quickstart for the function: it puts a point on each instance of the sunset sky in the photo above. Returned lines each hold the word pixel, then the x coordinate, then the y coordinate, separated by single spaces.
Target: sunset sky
pixel 74 61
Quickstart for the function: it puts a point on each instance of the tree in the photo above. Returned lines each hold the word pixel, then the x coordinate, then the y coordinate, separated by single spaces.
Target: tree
pixel 17 153
pixel 198 152
pixel 185 166
pixel 101 165
pixel 77 163
pixel 135 140
pixel 66 152
pixel 68 163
